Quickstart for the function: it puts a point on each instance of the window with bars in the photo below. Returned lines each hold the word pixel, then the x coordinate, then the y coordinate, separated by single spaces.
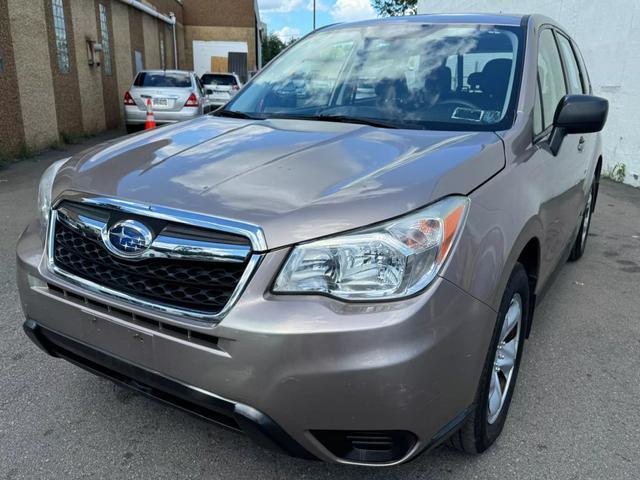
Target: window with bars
pixel 106 47
pixel 62 46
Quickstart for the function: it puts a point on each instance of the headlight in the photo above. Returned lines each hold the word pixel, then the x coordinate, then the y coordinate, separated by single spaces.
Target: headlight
pixel 44 190
pixel 392 260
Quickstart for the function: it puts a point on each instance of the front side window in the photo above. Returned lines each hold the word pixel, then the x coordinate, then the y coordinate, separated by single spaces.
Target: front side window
pixel 62 46
pixel 538 120
pixel 586 83
pixel 406 75
pixel 106 46
pixel 551 76
pixel 571 65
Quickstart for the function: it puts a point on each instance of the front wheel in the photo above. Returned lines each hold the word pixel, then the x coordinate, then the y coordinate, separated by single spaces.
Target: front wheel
pixel 581 240
pixel 500 372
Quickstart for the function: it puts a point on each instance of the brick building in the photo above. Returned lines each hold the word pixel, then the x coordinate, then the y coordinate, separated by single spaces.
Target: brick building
pixel 65 64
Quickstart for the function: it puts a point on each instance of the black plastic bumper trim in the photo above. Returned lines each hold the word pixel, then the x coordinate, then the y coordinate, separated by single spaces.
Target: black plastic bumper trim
pixel 236 416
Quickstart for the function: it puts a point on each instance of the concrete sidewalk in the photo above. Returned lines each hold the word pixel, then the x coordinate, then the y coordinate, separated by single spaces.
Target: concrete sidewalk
pixel 575 412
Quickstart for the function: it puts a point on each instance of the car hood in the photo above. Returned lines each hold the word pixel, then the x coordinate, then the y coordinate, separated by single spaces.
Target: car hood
pixel 297 180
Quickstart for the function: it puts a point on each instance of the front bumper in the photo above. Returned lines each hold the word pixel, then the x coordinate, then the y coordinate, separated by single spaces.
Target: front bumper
pixel 306 364
pixel 206 405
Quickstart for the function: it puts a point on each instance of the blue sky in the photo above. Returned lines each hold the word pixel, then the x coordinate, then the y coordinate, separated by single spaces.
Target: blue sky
pixel 294 18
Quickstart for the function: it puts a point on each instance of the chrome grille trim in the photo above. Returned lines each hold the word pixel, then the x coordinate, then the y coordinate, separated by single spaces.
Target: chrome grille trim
pixel 163 246
pixel 95 227
pixel 252 232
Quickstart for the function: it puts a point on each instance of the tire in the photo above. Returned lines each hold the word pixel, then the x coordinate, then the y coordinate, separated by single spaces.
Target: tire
pixel 580 243
pixel 483 426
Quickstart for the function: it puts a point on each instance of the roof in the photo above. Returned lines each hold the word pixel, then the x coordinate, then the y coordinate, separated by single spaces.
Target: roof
pixel 448 18
pixel 168 70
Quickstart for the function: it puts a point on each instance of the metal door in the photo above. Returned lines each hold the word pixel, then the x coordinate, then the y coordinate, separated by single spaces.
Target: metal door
pixel 238 64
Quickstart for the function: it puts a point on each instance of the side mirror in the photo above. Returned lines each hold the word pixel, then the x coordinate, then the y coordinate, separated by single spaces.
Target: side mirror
pixel 208 91
pixel 577 114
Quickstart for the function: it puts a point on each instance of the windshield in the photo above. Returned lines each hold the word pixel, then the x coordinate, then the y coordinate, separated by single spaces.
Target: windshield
pixel 215 79
pixel 406 75
pixel 162 79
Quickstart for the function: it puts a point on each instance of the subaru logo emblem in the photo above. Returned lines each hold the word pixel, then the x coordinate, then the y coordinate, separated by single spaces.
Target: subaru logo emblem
pixel 127 238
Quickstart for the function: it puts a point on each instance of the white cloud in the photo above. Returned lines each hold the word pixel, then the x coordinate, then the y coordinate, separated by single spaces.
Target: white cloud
pixel 279 6
pixel 287 33
pixel 351 10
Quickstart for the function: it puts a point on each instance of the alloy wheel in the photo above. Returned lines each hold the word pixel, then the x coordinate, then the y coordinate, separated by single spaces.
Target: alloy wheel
pixel 505 359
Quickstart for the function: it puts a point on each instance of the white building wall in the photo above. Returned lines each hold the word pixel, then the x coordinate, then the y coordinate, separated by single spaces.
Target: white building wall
pixel 608 34
pixel 204 50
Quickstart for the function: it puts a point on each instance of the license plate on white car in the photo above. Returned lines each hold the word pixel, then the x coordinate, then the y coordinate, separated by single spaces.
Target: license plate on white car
pixel 160 102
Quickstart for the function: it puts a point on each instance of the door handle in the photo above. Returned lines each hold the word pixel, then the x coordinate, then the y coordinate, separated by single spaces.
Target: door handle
pixel 581 143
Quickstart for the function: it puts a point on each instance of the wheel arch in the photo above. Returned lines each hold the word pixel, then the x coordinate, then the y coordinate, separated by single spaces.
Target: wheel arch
pixel 527 250
pixel 596 180
pixel 529 258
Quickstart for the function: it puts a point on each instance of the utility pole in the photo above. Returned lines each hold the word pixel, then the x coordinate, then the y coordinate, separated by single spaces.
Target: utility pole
pixel 314 14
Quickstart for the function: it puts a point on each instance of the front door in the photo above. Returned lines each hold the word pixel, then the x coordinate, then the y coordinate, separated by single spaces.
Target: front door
pixel 561 176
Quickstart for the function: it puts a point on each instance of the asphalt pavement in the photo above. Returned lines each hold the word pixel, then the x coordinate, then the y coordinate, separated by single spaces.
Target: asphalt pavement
pixel 575 413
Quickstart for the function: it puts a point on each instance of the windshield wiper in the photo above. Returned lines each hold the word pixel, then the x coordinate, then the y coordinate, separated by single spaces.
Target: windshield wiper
pixel 322 117
pixel 359 120
pixel 234 114
pixel 340 119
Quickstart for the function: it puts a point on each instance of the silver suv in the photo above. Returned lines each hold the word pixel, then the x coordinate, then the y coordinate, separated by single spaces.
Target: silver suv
pixel 344 261
pixel 220 87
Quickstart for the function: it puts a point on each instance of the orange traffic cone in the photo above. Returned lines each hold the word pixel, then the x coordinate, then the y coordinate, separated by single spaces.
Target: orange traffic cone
pixel 151 120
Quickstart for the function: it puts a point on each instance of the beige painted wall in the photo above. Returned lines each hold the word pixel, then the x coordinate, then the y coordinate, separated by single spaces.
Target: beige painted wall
pixel 151 42
pixel 122 48
pixel 83 14
pixel 183 60
pixel 168 44
pixel 33 68
pixel 230 34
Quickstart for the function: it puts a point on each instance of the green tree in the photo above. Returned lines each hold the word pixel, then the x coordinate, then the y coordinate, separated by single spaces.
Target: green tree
pixel 272 46
pixel 391 8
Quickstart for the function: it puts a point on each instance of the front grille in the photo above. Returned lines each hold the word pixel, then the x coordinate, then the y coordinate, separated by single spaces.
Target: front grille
pixel 202 286
pixel 192 336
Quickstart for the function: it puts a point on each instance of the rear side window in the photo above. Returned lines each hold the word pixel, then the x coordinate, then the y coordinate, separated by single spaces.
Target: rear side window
pixel 551 76
pixel 224 80
pixel 162 79
pixel 571 65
